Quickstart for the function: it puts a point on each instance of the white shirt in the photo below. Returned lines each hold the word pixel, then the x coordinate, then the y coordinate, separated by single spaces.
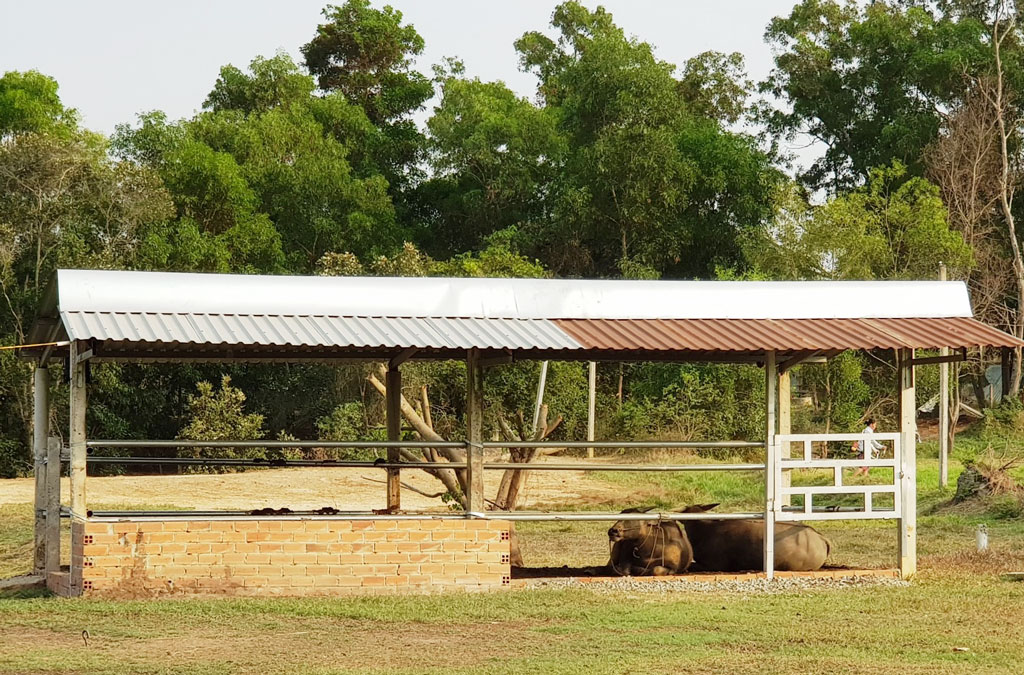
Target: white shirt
pixel 875 446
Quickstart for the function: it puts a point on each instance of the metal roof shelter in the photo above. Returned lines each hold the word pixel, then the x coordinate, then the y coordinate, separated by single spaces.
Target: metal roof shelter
pixel 172 316
pixel 154 316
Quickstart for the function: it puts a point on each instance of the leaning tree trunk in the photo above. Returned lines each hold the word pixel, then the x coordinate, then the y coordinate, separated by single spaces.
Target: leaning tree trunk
pixel 454 480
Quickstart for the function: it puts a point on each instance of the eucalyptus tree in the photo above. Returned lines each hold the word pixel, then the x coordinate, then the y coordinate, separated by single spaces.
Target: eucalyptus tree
pixel 650 178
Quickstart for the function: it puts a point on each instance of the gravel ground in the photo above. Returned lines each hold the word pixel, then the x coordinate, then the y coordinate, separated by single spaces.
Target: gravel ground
pixel 788 585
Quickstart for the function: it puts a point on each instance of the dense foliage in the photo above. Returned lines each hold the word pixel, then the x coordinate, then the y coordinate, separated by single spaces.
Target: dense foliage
pixel 620 165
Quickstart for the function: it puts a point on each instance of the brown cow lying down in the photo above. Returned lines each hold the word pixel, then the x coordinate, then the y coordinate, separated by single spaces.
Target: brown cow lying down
pixel 648 547
pixel 738 545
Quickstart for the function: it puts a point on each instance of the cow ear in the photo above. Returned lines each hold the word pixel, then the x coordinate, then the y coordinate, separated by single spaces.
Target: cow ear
pixel 697 508
pixel 637 509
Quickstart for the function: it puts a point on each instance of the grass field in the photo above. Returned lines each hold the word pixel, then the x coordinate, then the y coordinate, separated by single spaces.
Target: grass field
pixel 957 601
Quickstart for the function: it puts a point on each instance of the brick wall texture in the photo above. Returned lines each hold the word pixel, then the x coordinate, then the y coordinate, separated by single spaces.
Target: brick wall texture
pixel 287 557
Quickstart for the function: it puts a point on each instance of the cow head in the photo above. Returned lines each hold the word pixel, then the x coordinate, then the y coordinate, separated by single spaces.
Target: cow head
pixel 630 529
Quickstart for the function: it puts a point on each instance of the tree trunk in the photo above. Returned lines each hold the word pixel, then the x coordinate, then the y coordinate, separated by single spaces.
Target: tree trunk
pixel 454 480
pixel 954 408
pixel 1007 186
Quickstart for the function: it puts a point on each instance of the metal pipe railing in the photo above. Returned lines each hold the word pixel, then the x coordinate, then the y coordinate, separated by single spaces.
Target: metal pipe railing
pixel 474 515
pixel 624 444
pixel 271 463
pixel 533 466
pixel 583 516
pixel 274 444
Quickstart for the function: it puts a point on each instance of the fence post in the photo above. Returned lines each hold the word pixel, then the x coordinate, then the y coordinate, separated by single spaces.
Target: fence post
pixel 771 463
pixel 393 406
pixel 78 402
pixel 591 405
pixel 40 434
pixel 908 466
pixel 474 432
pixel 52 563
pixel 785 427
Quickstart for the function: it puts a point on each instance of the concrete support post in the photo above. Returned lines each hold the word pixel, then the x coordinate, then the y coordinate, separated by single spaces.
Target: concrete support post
pixel 52 563
pixel 393 405
pixel 474 431
pixel 40 434
pixel 785 427
pixel 591 405
pixel 908 466
pixel 771 463
pixel 78 401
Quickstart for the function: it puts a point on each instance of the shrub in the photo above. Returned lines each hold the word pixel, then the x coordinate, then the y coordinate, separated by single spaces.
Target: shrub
pixel 220 416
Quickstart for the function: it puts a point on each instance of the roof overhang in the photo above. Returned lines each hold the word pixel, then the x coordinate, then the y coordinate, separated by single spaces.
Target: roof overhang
pixel 145 316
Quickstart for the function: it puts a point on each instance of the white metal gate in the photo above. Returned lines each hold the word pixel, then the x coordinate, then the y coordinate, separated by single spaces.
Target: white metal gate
pixel 802 446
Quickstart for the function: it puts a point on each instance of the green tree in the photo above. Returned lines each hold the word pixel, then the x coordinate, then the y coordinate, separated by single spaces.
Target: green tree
pixel 839 393
pixel 63 203
pixel 260 181
pixel 892 228
pixel 220 416
pixel 716 86
pixel 870 80
pixel 365 54
pixel 29 104
pixel 493 155
pixel 646 177
pixel 273 82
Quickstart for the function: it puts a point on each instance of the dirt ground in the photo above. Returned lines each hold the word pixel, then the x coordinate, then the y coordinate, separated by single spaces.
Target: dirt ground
pixel 306 489
pixel 325 643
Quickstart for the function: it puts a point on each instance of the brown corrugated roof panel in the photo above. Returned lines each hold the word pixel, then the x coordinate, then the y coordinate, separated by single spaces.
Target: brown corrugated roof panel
pixel 756 335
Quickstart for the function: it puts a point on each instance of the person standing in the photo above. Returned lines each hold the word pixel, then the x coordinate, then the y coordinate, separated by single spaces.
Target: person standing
pixel 873 446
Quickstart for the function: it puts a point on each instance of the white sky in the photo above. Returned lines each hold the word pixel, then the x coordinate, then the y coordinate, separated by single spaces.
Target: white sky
pixel 117 58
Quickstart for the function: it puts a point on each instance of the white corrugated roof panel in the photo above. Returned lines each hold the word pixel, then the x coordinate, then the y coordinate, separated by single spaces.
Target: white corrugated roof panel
pixel 316 331
pixel 224 294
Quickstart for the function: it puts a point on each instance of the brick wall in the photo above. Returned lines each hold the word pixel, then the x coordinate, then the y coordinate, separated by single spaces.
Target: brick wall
pixel 287 557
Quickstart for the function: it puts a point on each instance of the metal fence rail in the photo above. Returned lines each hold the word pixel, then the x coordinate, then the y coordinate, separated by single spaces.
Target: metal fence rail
pixel 95 459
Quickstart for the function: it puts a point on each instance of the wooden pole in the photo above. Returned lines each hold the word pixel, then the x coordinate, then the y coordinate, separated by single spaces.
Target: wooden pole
pixel 908 466
pixel 771 463
pixel 474 431
pixel 591 405
pixel 78 401
pixel 943 407
pixel 393 409
pixel 785 426
pixel 52 505
pixel 541 384
pixel 40 435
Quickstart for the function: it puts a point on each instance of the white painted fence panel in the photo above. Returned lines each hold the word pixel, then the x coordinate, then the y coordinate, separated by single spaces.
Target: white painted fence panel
pixel 807 460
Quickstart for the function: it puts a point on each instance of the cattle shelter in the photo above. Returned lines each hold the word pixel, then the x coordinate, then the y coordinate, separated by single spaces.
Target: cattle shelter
pixel 121 316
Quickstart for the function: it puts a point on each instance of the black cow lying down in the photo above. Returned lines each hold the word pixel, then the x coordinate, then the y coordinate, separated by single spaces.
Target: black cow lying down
pixel 738 545
pixel 658 547
pixel 648 547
